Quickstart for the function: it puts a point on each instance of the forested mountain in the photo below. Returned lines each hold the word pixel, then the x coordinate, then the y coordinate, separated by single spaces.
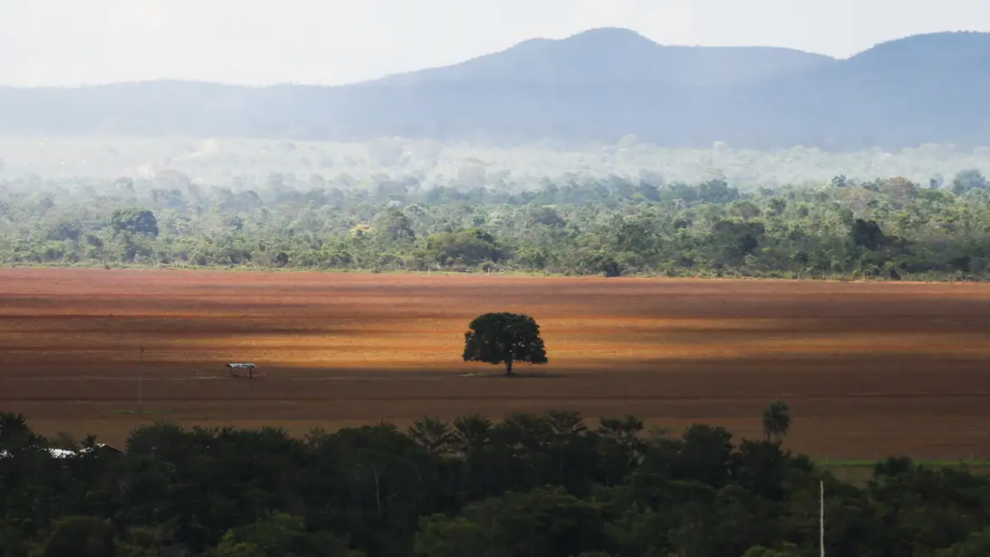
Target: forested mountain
pixel 598 85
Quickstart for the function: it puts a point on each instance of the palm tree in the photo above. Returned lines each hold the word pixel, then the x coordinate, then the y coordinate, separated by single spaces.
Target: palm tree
pixel 432 434
pixel 471 433
pixel 776 420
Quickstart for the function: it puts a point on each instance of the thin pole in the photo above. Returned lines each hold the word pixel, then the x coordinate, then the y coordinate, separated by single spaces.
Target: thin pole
pixel 821 517
pixel 140 377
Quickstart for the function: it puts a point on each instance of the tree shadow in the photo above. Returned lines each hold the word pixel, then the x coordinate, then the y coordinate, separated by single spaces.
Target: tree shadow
pixel 515 375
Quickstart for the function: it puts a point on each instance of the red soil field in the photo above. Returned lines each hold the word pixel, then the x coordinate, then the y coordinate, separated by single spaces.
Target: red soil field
pixel 868 369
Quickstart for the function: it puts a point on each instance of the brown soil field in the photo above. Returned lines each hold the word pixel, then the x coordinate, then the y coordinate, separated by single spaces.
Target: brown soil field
pixel 869 369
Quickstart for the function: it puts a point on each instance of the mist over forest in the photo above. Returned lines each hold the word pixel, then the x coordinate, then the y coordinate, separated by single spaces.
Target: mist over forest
pixel 257 163
pixel 398 204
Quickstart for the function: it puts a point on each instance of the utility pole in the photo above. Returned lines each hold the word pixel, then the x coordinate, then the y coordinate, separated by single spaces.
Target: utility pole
pixel 140 377
pixel 821 517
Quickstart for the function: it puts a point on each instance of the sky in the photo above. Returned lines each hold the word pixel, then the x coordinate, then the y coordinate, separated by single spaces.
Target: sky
pixel 260 42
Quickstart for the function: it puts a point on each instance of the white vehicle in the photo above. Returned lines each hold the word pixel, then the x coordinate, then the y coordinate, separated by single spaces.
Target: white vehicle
pixel 238 370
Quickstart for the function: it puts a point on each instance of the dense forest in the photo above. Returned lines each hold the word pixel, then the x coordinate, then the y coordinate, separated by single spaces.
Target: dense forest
pixel 527 486
pixel 887 228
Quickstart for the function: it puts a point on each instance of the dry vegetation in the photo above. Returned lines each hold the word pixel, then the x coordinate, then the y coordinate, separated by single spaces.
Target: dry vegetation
pixel 868 369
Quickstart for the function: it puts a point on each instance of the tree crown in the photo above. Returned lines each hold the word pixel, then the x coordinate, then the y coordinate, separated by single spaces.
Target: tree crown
pixel 504 338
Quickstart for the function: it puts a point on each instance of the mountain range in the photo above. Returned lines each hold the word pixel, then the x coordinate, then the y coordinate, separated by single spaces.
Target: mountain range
pixel 598 85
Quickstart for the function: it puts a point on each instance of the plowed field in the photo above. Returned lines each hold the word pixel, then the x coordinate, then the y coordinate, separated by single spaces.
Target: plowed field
pixel 868 369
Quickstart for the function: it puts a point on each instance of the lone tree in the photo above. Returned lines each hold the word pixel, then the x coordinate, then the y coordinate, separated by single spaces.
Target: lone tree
pixel 504 338
pixel 776 420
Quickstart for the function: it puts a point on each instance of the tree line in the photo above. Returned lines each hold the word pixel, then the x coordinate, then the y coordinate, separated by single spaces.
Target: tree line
pixel 552 485
pixel 886 228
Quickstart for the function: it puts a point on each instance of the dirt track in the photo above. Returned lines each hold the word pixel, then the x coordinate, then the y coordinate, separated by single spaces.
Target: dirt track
pixel 869 369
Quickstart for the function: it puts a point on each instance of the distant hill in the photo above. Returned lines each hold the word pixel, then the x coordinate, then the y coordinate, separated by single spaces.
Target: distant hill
pixel 597 85
pixel 612 55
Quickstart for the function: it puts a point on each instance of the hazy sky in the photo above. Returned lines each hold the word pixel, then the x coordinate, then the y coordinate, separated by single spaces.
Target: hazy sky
pixel 68 42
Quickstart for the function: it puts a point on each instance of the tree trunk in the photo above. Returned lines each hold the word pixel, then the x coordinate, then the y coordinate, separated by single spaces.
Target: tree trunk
pixel 508 368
